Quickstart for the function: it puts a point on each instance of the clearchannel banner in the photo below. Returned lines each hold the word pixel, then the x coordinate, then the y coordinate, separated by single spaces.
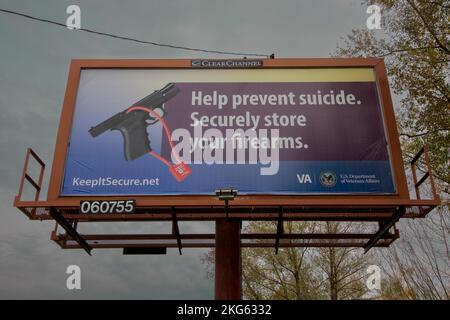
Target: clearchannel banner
pixel 171 132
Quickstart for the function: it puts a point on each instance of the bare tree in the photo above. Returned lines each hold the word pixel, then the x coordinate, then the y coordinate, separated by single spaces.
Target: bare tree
pixel 417 265
pixel 300 272
pixel 343 269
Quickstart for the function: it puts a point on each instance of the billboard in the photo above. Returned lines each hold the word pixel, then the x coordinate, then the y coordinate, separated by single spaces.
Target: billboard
pixel 281 131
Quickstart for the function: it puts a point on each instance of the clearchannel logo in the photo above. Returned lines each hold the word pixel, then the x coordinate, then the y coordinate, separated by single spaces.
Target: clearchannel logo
pixel 227 64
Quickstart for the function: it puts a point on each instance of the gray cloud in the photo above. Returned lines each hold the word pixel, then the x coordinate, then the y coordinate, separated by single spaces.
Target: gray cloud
pixel 33 71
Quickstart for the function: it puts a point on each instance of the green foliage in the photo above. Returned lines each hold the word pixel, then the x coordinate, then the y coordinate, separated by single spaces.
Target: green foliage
pixel 416 46
pixel 415 43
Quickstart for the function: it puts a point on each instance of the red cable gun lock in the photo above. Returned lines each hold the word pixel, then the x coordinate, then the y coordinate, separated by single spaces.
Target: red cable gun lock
pixel 180 170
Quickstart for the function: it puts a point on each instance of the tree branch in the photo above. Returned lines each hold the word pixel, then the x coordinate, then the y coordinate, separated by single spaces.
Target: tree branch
pixel 416 135
pixel 393 51
pixel 425 23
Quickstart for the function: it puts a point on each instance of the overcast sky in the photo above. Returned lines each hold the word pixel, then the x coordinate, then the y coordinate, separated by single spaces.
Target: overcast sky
pixel 34 60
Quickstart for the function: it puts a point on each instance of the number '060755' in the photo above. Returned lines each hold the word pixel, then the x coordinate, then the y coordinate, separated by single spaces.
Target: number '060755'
pixel 107 206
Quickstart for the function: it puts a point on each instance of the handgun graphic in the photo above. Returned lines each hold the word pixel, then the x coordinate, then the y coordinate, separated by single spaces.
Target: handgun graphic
pixel 133 124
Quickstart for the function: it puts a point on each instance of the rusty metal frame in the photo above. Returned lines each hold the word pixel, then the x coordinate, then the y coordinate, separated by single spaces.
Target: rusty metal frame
pixel 176 230
pixel 428 175
pixel 280 229
pixel 384 209
pixel 384 228
pixel 248 240
pixel 386 214
pixel 313 211
pixel 37 185
pixel 70 230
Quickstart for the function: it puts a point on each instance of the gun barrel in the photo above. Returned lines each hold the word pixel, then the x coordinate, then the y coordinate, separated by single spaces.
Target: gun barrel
pixel 153 100
pixel 159 97
pixel 107 124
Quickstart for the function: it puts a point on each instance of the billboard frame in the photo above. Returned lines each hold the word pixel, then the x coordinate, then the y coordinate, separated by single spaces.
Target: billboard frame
pixel 387 111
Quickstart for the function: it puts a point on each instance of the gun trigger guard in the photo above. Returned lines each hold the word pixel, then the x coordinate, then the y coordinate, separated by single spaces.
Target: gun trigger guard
pixel 163 111
pixel 151 120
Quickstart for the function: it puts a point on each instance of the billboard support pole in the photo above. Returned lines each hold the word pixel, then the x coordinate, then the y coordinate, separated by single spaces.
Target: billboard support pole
pixel 384 228
pixel 227 276
pixel 176 229
pixel 70 230
pixel 280 230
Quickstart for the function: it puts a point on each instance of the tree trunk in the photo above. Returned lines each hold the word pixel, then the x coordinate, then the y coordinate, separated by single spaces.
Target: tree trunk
pixel 333 275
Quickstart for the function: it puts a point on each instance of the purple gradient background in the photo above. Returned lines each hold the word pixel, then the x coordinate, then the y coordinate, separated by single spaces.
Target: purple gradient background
pixel 332 132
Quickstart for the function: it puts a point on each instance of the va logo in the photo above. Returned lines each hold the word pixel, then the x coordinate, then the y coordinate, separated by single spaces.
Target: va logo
pixel 328 179
pixel 304 178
